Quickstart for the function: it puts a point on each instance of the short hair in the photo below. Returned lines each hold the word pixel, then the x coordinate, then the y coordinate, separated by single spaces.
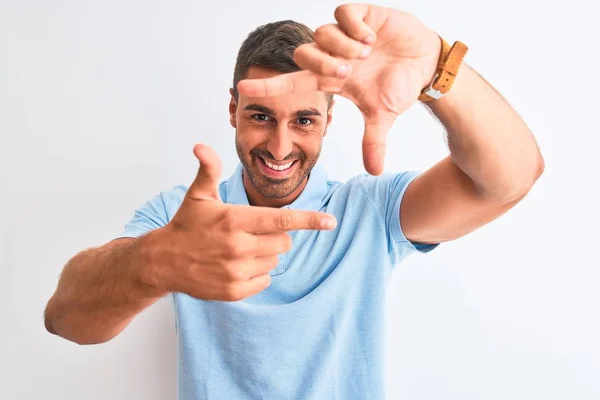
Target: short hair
pixel 272 46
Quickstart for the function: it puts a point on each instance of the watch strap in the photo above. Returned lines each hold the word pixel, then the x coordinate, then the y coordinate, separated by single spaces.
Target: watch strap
pixel 450 60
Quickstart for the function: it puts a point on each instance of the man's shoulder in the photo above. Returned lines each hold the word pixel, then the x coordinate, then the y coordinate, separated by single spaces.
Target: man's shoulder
pixel 174 193
pixel 178 192
pixel 367 181
pixel 366 190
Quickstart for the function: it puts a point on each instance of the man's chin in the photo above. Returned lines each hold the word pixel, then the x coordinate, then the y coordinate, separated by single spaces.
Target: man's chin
pixel 274 188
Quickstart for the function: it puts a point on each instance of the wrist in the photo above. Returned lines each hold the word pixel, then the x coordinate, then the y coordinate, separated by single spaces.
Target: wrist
pixel 456 97
pixel 150 268
pixel 433 43
pixel 449 62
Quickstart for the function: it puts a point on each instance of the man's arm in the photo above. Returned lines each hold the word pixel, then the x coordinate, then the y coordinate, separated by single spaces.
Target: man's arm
pixel 493 164
pixel 100 291
pixel 494 158
pixel 208 250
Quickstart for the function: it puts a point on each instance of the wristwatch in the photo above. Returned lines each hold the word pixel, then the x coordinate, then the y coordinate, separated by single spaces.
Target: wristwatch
pixel 450 60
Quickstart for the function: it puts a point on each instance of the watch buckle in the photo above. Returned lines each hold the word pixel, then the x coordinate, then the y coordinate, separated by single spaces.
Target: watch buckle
pixel 431 92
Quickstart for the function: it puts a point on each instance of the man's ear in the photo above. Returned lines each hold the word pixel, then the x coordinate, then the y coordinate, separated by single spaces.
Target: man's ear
pixel 232 109
pixel 329 116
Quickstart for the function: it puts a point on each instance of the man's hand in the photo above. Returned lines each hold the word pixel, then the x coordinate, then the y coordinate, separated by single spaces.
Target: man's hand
pixel 379 58
pixel 216 251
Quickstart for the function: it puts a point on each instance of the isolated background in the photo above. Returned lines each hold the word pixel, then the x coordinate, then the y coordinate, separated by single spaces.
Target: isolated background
pixel 101 103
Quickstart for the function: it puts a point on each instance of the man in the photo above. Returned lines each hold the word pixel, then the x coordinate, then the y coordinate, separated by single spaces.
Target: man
pixel 279 274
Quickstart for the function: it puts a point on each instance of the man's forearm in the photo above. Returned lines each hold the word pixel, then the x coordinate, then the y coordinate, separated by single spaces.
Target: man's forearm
pixel 487 138
pixel 100 291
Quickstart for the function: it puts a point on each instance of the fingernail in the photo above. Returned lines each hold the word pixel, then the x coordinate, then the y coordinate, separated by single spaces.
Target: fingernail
pixel 343 70
pixel 328 223
pixel 366 52
pixel 370 39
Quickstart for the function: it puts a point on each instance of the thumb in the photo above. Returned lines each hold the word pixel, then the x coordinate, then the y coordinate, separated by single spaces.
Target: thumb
pixel 373 145
pixel 206 184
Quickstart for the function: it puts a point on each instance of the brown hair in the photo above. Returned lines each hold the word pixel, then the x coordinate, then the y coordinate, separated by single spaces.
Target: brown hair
pixel 272 46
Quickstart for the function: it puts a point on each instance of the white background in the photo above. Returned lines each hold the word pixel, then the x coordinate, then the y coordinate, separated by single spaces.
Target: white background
pixel 102 101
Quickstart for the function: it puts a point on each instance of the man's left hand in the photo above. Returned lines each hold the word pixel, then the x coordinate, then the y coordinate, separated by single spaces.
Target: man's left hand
pixel 379 58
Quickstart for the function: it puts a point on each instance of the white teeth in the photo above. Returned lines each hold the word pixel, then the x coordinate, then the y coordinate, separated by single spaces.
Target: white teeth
pixel 278 167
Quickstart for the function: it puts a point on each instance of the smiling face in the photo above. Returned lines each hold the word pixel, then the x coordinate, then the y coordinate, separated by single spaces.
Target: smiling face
pixel 278 141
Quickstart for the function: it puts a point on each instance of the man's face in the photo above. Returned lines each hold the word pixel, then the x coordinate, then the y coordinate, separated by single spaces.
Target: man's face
pixel 278 139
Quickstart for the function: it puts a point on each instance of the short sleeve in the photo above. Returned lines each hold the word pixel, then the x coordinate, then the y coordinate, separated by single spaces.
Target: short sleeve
pixel 151 215
pixel 386 191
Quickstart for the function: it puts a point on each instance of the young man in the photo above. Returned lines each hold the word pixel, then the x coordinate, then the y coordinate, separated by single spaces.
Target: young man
pixel 279 274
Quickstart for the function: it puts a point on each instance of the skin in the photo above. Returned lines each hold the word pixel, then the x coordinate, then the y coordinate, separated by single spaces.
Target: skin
pixel 381 58
pixel 280 130
pixel 209 250
pixel 217 251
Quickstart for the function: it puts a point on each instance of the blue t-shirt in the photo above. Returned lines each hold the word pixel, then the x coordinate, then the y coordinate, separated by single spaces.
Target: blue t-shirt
pixel 317 332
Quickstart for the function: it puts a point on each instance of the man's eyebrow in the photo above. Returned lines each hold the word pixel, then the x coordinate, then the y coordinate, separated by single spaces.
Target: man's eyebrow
pixel 259 108
pixel 309 112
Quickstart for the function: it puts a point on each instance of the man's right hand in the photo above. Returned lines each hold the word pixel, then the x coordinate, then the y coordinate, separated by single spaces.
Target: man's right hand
pixel 216 251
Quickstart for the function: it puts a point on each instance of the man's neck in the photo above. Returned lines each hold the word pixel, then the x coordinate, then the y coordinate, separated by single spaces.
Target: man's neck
pixel 257 199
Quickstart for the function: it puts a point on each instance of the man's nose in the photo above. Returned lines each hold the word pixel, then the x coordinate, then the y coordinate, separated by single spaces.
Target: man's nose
pixel 280 143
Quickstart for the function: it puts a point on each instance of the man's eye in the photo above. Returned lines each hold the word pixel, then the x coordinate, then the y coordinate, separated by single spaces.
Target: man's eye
pixel 305 121
pixel 260 117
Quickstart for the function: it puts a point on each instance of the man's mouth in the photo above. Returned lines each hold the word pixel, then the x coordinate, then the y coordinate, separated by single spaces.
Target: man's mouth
pixel 277 169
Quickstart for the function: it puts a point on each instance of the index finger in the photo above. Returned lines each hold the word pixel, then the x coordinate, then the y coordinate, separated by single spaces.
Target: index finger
pixel 294 82
pixel 260 220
